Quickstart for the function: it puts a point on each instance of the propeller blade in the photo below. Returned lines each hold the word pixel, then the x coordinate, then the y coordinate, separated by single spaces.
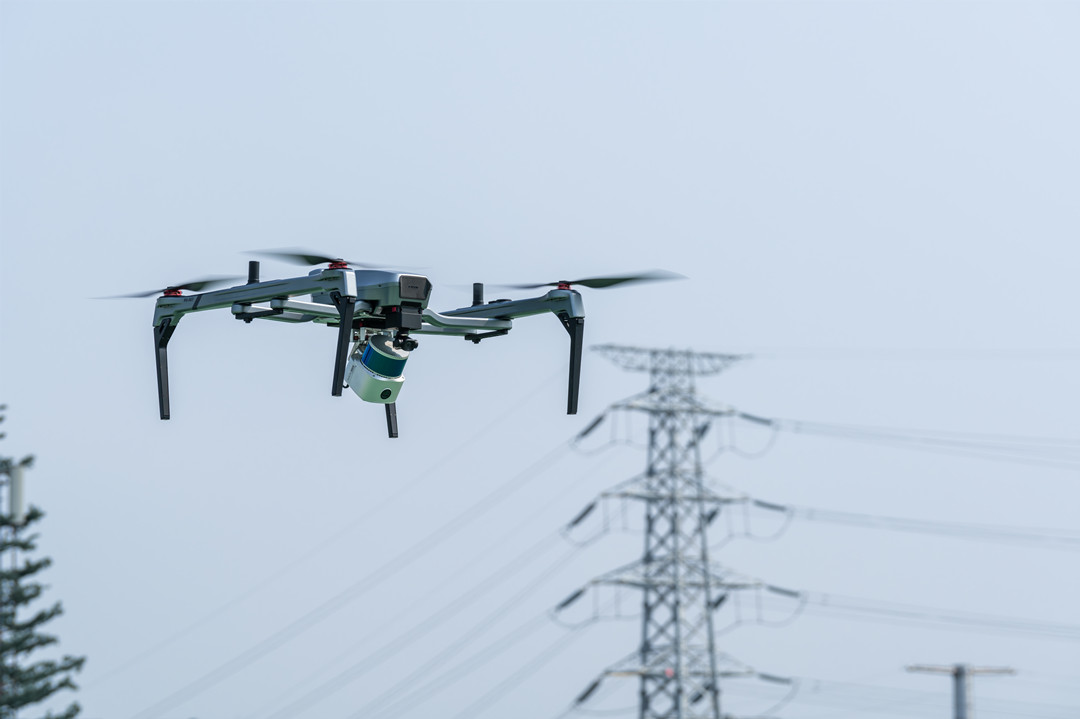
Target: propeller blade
pixel 207 282
pixel 194 286
pixel 599 283
pixel 300 256
pixel 126 297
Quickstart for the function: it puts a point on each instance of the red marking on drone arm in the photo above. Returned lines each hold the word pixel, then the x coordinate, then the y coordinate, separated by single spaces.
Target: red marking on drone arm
pixel 563 286
pixel 172 293
pixel 339 265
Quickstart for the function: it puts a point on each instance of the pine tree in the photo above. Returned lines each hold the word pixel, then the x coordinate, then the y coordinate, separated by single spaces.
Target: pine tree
pixel 24 682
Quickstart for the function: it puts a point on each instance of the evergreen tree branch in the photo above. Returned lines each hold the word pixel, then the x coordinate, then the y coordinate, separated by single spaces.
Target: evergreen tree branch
pixel 24 683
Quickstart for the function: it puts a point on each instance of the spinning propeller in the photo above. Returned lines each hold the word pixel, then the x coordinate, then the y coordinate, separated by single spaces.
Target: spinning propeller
pixel 299 256
pixel 194 286
pixel 599 283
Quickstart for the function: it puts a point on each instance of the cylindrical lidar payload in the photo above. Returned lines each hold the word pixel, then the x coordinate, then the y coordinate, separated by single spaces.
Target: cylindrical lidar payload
pixel 375 373
pixel 17 495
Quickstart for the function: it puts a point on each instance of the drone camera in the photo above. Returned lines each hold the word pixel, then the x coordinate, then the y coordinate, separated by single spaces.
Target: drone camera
pixel 403 342
pixel 414 287
pixel 375 370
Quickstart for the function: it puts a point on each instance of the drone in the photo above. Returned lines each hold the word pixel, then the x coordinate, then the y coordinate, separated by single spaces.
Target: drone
pixel 377 314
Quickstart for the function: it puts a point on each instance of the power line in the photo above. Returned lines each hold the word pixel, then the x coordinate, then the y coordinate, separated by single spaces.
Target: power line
pixel 471 664
pixel 377 706
pixel 1057 452
pixel 1043 537
pixel 420 630
pixel 855 607
pixel 1040 537
pixel 1049 681
pixel 465 667
pixel 363 585
pixel 1062 453
pixel 500 690
pixel 286 569
pixel 860 699
pixel 905 354
pixel 518 563
pixel 416 632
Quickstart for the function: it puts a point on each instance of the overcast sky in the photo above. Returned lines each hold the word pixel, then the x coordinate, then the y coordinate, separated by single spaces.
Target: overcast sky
pixel 877 199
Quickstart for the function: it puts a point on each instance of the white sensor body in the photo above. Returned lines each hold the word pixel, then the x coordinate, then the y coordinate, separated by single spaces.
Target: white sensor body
pixel 374 371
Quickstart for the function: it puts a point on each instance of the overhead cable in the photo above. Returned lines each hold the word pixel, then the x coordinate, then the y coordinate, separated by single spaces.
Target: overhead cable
pixel 1041 451
pixel 452 676
pixel 355 590
pixel 378 705
pixel 1032 536
pixel 357 521
pixel 415 633
pixel 446 612
pixel 893 612
pixel 523 672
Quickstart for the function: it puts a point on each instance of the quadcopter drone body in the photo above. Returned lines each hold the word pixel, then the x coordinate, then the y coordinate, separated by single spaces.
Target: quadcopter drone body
pixel 376 314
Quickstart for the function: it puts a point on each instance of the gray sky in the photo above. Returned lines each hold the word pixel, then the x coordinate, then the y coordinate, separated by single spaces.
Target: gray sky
pixel 878 198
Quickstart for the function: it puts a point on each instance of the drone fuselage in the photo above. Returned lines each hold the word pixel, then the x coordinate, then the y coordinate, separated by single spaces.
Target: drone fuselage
pixel 362 304
pixel 384 289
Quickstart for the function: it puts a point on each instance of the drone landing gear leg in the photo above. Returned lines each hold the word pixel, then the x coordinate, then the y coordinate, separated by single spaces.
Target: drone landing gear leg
pixel 575 326
pixel 391 420
pixel 162 334
pixel 345 305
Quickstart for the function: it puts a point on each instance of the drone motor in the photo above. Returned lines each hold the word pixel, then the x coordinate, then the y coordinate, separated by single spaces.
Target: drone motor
pixel 375 368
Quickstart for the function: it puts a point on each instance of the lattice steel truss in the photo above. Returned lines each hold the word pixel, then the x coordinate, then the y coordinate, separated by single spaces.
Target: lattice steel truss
pixel 677 662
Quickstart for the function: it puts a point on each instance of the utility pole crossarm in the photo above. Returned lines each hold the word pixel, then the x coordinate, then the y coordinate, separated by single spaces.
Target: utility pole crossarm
pixel 941 669
pixel 991 670
pixel 961 674
pixel 931 669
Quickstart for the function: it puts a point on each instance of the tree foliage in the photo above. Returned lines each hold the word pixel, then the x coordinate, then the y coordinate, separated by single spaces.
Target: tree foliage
pixel 25 681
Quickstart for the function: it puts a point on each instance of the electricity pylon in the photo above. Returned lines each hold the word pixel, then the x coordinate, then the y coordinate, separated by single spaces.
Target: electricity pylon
pixel 677 663
pixel 961 674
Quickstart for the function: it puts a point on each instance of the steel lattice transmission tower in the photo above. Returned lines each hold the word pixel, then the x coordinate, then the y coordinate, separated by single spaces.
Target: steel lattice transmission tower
pixel 677 662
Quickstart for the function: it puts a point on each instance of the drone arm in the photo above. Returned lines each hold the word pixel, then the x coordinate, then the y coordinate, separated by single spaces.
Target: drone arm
pixel 555 301
pixel 341 281
pixel 435 323
pixel 564 304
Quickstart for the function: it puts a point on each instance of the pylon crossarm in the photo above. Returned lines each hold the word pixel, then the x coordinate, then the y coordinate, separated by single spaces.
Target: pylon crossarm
pixel 733 577
pixel 675 583
pixel 671 361
pixel 706 497
pixel 639 581
pixel 660 673
pixel 740 585
pixel 671 404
